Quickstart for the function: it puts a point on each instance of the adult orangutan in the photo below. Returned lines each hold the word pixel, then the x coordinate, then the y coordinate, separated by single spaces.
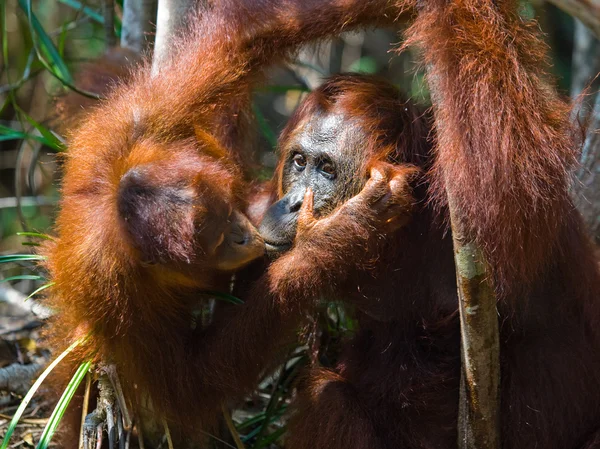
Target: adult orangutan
pixel 504 151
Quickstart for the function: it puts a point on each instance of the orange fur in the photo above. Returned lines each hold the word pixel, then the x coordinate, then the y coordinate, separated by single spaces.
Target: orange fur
pixel 504 148
pixel 503 151
pixel 152 176
pixel 507 145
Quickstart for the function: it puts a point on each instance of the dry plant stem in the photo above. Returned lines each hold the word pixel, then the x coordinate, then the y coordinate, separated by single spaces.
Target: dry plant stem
pixel 479 404
pixel 588 11
pixel 99 436
pixel 32 421
pixel 85 405
pixel 234 433
pixel 111 371
pixel 120 430
pixel 138 24
pixel 140 434
pixel 104 412
pixel 128 438
pixel 168 435
pixel 19 304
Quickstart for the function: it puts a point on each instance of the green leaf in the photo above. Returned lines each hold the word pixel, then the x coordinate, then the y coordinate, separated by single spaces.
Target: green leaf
pixel 251 421
pixel 93 14
pixel 268 439
pixel 20 258
pixel 62 405
pixel 43 287
pixel 96 16
pixel 62 39
pixel 263 419
pixel 225 296
pixel 7 133
pixel 31 392
pixel 10 133
pixel 30 244
pixel 37 235
pixel 47 51
pixel 264 127
pixel 48 137
pixel 23 277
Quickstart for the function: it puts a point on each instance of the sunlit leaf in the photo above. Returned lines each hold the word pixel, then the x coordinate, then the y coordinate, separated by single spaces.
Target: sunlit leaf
pixel 37 235
pixel 62 405
pixel 43 287
pixel 23 277
pixel 20 258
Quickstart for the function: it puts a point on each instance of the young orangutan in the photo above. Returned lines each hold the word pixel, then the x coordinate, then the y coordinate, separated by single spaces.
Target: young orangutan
pixel 155 195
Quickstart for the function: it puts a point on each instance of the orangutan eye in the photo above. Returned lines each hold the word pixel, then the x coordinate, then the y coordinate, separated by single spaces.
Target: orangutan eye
pixel 299 161
pixel 328 168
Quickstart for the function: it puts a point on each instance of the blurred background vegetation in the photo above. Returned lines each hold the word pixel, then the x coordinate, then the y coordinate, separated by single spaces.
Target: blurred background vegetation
pixel 45 79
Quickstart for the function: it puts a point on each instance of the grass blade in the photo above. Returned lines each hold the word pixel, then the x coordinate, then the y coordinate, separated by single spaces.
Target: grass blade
pixel 49 138
pixel 23 277
pixel 37 235
pixel 20 258
pixel 265 128
pixel 62 405
pixel 7 133
pixel 224 296
pixel 25 402
pixel 46 47
pixel 96 16
pixel 43 287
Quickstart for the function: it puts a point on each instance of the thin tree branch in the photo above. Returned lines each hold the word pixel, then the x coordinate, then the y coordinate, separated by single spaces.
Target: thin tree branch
pixel 588 11
pixel 17 378
pixel 170 20
pixel 479 403
pixel 586 58
pixel 139 17
pixel 586 191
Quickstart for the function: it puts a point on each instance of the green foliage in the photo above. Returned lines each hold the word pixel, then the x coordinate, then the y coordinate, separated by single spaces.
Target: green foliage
pixel 223 296
pixel 62 405
pixel 23 277
pixel 20 258
pixel 45 48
